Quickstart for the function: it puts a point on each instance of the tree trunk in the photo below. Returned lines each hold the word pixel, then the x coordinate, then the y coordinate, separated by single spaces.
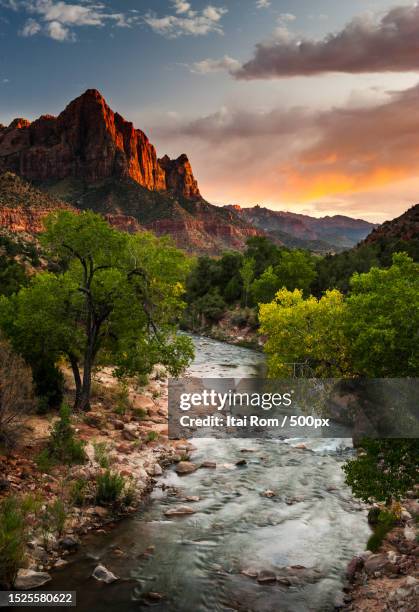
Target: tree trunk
pixel 77 380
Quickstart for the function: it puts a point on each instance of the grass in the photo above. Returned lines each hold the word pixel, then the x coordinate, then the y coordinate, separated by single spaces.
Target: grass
pixel 13 535
pixel 109 488
pixel 152 436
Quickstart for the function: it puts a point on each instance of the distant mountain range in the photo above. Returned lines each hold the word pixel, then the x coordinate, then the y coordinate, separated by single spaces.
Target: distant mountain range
pixel 90 157
pixel 302 231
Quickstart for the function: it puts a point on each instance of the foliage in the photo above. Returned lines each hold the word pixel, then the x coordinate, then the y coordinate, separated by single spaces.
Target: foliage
pixel 78 492
pixel 63 446
pixel 247 274
pixel 49 384
pixel 116 300
pixel 263 252
pixel 308 332
pixel 12 276
pixel 52 518
pixel 373 332
pixel 16 393
pixel 109 487
pixel 152 436
pixel 383 320
pixel 335 271
pixel 101 454
pixel 14 525
pixel 385 522
pixel 264 288
pixel 385 470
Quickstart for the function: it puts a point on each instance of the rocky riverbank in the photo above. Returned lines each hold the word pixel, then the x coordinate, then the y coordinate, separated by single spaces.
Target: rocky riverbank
pixel 387 580
pixel 131 428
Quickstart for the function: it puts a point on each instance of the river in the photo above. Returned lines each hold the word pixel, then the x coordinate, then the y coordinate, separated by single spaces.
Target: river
pixel 306 533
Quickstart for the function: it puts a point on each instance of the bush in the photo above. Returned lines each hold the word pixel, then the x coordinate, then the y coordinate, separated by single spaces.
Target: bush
pixel 385 469
pixel 385 522
pixel 16 397
pixel 49 384
pixel 151 436
pixel 78 492
pixel 109 487
pixel 13 536
pixel 101 454
pixel 63 446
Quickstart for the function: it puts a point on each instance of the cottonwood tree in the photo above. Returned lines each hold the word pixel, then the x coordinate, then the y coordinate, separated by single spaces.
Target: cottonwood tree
pixel 116 301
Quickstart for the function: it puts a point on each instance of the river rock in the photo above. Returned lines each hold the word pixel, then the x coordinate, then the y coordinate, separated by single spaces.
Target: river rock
pixel 353 567
pixel 70 543
pixel 185 467
pixel 376 563
pixel 266 577
pixel 102 574
pixel 268 493
pixel 179 511
pixel 208 464
pixel 241 462
pixel 157 470
pixel 29 579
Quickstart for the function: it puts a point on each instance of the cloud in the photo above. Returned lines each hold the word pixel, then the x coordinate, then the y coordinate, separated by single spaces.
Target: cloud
pixel 365 44
pixel 30 28
pixel 59 19
pixel 345 154
pixel 186 21
pixel 208 65
pixel 260 4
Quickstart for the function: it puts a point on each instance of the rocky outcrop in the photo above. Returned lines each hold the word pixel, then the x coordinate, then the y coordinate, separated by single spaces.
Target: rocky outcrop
pixel 89 141
pixel 179 177
pixel 405 227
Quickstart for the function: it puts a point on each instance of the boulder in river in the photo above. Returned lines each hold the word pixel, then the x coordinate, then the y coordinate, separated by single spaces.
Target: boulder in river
pixel 185 467
pixel 179 511
pixel 266 577
pixel 29 579
pixel 208 464
pixel 102 574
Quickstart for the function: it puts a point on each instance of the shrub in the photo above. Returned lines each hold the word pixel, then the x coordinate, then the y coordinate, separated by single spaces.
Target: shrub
pixel 101 454
pixel 139 413
pixel 13 536
pixel 385 522
pixel 151 436
pixel 78 492
pixel 16 397
pixel 63 446
pixel 49 384
pixel 109 487
pixel 385 470
pixel 44 461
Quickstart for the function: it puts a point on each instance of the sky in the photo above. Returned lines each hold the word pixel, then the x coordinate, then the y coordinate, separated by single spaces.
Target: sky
pixel 309 106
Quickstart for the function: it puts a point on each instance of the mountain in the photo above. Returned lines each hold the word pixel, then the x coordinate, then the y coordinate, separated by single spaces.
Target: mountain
pixel 91 157
pixel 318 234
pixel 405 228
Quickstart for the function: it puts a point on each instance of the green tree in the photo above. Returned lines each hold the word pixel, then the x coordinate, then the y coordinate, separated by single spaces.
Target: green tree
pixel 296 270
pixel 263 252
pixel 308 332
pixel 117 302
pixel 264 288
pixel 247 273
pixel 383 320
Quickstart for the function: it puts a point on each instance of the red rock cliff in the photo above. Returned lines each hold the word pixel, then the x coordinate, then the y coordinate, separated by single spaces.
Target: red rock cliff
pixel 91 142
pixel 179 177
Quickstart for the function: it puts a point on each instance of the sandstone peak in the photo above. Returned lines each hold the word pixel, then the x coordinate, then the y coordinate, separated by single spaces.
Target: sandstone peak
pixel 18 123
pixel 89 141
